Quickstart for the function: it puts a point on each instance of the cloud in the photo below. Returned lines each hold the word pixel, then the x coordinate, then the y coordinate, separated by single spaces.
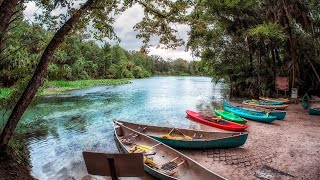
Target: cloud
pixel 172 53
pixel 123 27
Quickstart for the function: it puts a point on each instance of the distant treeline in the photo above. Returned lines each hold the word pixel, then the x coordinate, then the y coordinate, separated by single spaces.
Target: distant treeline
pixel 78 59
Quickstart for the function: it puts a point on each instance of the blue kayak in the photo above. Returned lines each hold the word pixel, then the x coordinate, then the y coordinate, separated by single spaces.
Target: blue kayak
pixel 264 102
pixel 279 114
pixel 249 114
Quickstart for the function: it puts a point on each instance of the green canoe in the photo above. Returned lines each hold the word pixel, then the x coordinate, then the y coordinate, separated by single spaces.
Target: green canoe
pixel 230 116
pixel 189 138
pixel 305 101
pixel 314 111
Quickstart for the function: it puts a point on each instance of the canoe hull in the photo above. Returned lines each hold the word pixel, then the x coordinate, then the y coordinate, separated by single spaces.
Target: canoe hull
pixel 233 117
pixel 248 114
pixel 285 101
pixel 314 111
pixel 279 114
pixel 162 155
pixel 230 142
pixel 279 107
pixel 204 139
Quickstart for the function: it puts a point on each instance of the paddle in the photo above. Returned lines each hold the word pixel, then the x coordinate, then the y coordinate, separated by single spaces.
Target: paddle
pixel 185 136
pixel 171 166
pixel 168 136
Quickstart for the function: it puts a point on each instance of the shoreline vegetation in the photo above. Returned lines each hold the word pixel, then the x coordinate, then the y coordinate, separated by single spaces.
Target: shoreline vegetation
pixel 63 87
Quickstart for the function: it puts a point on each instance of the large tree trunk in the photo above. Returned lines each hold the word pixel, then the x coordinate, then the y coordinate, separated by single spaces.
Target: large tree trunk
pixel 38 76
pixel 7 8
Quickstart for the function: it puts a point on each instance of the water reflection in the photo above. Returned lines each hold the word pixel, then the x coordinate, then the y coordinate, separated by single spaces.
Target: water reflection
pixel 59 128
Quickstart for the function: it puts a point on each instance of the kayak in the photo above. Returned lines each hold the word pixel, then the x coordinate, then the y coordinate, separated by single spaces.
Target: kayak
pixel 280 107
pixel 160 160
pixel 249 114
pixel 230 116
pixel 305 101
pixel 314 111
pixel 264 102
pixel 283 100
pixel 189 138
pixel 269 103
pixel 279 114
pixel 216 122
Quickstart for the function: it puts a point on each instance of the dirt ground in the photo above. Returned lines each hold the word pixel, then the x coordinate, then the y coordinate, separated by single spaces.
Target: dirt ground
pixel 285 149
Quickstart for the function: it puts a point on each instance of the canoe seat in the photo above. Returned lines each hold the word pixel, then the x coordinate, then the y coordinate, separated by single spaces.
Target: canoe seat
pixel 171 167
pixel 215 120
pixel 197 136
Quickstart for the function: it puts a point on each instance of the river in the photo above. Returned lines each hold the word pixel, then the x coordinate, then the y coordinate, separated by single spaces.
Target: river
pixel 58 128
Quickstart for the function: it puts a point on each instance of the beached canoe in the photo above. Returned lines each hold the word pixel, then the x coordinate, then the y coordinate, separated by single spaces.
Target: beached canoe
pixel 216 121
pixel 305 101
pixel 230 116
pixel 279 107
pixel 160 160
pixel 279 114
pixel 283 100
pixel 249 114
pixel 190 139
pixel 314 111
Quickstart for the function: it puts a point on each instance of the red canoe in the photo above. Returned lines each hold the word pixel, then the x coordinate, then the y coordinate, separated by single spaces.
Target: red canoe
pixel 221 123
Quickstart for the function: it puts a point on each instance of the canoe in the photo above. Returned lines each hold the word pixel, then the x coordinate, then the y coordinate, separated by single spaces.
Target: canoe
pixel 305 101
pixel 314 111
pixel 216 122
pixel 230 116
pixel 269 103
pixel 190 139
pixel 279 107
pixel 283 100
pixel 280 115
pixel 160 160
pixel 249 114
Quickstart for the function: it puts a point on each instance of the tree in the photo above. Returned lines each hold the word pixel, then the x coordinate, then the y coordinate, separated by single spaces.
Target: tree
pixel 248 43
pixel 99 11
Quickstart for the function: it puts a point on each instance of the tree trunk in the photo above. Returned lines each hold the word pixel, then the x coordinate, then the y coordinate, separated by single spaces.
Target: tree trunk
pixel 293 58
pixel 38 76
pixel 6 11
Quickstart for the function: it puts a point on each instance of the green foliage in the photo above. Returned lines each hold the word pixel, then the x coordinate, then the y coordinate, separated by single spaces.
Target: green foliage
pixel 248 43
pixel 269 31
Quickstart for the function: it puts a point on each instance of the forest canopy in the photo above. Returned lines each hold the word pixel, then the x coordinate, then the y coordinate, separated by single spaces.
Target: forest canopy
pixel 251 42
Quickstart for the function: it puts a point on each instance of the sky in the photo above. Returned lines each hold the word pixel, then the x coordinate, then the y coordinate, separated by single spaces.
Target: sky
pixel 124 29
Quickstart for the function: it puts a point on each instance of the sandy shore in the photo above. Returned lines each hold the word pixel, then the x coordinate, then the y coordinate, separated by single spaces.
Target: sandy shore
pixel 291 146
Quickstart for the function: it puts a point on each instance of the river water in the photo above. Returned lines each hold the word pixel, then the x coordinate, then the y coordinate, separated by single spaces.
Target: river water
pixel 58 128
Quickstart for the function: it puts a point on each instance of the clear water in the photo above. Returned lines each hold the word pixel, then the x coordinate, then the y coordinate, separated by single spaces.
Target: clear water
pixel 59 128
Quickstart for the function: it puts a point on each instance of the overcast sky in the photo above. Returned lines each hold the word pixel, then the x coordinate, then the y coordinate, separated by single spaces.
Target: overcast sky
pixel 124 28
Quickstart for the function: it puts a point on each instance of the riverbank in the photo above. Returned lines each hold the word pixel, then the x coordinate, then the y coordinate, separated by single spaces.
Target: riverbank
pixel 14 165
pixel 63 87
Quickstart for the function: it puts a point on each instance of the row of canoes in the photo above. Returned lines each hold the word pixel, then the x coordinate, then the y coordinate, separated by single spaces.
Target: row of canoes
pixel 157 143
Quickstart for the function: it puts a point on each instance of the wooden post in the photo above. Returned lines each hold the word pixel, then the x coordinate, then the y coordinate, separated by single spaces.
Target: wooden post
pixel 112 167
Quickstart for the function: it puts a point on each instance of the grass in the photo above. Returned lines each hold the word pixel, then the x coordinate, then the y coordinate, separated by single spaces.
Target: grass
pixel 5 93
pixel 62 87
